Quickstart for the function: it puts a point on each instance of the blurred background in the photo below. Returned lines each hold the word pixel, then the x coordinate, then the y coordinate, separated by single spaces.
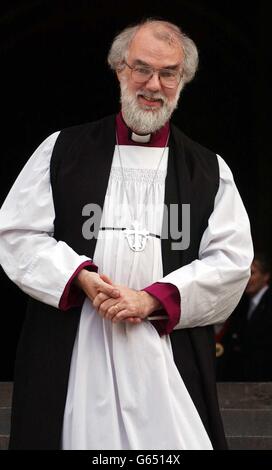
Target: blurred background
pixel 54 75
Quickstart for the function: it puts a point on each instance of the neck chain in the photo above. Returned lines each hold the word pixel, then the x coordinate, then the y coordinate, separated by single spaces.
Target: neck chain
pixel 137 236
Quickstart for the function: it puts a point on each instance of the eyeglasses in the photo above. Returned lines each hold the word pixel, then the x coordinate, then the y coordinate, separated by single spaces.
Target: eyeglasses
pixel 143 73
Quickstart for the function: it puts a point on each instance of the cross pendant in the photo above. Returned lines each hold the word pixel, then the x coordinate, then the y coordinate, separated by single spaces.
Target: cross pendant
pixel 136 237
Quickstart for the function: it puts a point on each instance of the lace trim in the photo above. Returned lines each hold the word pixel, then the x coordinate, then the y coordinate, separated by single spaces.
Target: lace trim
pixel 139 175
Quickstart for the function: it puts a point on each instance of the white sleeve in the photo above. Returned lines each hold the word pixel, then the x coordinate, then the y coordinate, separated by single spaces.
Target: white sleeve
pixel 211 286
pixel 29 254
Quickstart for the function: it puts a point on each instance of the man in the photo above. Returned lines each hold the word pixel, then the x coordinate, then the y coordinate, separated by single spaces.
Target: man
pixel 246 336
pixel 173 242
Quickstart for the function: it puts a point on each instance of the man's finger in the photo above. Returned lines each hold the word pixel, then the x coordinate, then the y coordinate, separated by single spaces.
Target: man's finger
pixel 99 299
pixel 122 315
pixel 133 320
pixel 105 278
pixel 109 304
pixel 105 288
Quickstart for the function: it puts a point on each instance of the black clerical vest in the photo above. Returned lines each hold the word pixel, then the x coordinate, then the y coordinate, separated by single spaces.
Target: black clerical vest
pixel 80 168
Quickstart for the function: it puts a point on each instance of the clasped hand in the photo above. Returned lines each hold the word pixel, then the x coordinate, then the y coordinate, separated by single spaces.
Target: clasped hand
pixel 131 305
pixel 116 302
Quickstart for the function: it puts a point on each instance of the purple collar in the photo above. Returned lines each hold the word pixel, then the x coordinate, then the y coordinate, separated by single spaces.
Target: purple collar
pixel 157 139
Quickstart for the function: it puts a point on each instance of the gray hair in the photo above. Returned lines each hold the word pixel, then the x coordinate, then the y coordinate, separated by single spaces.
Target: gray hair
pixel 165 31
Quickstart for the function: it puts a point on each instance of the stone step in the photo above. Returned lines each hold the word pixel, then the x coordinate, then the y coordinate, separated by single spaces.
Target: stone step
pixel 4 440
pixel 5 409
pixel 4 421
pixel 247 422
pixel 236 395
pixel 250 443
pixel 246 410
pixel 5 394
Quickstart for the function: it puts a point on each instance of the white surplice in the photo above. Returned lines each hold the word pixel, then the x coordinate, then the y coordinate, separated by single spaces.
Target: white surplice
pixel 124 389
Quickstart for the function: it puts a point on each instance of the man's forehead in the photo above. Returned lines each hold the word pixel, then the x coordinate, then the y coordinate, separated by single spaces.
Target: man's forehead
pixel 147 46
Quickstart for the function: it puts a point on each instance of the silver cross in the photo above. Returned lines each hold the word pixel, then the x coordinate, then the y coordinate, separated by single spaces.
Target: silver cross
pixel 136 237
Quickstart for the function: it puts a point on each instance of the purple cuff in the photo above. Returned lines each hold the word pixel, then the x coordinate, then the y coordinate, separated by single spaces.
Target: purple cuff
pixel 72 295
pixel 168 295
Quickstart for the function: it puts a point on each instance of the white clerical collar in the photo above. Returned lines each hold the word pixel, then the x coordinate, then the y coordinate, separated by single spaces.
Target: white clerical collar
pixel 143 139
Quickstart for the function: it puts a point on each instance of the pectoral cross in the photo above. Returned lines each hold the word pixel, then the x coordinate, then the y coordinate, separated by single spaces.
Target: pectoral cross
pixel 136 237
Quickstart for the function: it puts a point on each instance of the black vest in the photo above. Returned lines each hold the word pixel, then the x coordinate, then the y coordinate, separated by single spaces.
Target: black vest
pixel 80 168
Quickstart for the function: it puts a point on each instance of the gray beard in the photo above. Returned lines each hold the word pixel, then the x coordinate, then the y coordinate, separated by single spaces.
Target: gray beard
pixel 146 121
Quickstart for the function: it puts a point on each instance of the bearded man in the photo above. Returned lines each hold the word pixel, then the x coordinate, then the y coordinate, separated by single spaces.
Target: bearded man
pixel 122 231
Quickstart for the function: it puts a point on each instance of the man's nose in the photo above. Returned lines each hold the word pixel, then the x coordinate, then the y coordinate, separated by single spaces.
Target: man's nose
pixel 153 83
